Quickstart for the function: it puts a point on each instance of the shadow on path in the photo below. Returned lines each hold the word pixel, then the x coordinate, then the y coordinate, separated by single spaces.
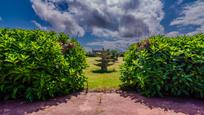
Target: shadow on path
pixel 21 107
pixel 190 106
pixel 110 102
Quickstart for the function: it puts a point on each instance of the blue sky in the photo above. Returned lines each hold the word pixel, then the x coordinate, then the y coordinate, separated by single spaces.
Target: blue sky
pixel 106 23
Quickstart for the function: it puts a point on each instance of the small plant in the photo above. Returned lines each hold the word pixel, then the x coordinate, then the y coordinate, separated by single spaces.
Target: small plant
pixel 105 61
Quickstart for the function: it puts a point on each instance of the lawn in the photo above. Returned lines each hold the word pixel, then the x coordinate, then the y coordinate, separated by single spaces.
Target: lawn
pixel 102 81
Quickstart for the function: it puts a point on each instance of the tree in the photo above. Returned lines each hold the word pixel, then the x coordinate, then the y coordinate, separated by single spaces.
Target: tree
pixel 115 54
pixel 105 61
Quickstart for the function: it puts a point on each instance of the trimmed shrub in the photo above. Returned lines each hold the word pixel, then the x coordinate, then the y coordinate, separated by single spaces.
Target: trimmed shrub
pixel 164 66
pixel 37 65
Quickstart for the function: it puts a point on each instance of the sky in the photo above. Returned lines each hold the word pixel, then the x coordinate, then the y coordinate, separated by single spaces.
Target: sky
pixel 111 24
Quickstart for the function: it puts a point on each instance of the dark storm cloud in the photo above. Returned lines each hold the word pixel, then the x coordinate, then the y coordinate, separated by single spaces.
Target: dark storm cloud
pixel 130 5
pixel 96 19
pixel 114 19
pixel 136 27
pixel 91 17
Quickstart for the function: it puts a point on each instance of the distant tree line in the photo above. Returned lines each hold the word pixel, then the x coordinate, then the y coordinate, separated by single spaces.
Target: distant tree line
pixel 115 53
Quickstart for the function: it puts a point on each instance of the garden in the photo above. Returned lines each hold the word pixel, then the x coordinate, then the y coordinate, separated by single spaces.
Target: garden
pixel 44 72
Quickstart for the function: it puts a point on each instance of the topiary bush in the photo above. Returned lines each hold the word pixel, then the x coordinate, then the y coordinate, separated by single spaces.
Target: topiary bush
pixel 37 65
pixel 164 66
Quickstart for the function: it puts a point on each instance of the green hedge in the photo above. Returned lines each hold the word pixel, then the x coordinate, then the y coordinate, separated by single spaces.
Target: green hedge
pixel 164 66
pixel 37 65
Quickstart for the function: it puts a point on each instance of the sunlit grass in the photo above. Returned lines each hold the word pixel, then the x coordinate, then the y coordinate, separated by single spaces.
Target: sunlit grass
pixel 102 81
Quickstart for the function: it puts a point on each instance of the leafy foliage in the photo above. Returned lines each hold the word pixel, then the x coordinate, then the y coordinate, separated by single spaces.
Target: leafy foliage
pixel 163 66
pixel 37 65
pixel 114 54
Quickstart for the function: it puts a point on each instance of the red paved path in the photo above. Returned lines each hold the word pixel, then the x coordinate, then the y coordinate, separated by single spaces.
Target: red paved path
pixel 105 104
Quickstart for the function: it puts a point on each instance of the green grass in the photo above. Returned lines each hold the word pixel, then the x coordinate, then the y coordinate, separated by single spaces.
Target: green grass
pixel 102 81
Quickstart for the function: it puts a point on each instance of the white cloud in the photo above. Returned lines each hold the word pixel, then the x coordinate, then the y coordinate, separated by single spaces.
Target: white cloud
pixel 0 18
pixel 173 34
pixel 39 26
pixel 116 19
pixel 192 15
pixel 120 44
pixel 60 21
pixel 88 49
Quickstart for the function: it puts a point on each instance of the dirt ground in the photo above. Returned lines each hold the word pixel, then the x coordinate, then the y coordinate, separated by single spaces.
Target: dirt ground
pixel 94 103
